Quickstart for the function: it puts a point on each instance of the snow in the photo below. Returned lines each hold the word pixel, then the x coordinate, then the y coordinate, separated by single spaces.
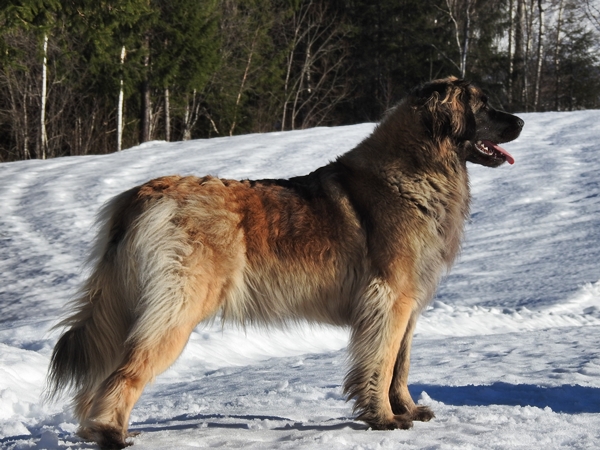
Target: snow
pixel 506 354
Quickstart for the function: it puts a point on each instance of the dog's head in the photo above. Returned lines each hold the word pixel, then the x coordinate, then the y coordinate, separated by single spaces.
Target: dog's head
pixel 455 109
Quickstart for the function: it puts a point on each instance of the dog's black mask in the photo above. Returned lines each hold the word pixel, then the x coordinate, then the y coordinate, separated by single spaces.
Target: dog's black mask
pixel 493 127
pixel 457 109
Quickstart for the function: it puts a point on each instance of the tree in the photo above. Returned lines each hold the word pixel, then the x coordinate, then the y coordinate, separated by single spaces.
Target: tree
pixel 576 67
pixel 460 13
pixel 540 56
pixel 17 85
pixel 511 52
pixel 316 65
pixel 101 31
pixel 592 10
pixel 396 44
pixel 38 17
pixel 243 92
pixel 120 104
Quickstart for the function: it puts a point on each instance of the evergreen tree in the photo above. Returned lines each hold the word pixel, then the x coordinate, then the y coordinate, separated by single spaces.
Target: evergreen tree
pixel 249 78
pixel 101 31
pixel 184 54
pixel 38 18
pixel 397 44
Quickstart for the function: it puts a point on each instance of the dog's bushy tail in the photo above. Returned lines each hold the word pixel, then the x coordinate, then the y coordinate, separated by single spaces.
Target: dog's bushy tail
pixel 92 346
pixel 78 363
pixel 134 294
pixel 90 349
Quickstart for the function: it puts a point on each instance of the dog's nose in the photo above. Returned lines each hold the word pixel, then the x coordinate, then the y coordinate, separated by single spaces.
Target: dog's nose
pixel 520 123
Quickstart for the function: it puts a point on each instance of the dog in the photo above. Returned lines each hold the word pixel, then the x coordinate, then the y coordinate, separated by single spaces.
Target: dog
pixel 361 242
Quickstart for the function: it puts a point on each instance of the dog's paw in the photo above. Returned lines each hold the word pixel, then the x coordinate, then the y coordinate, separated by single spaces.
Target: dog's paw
pixel 422 414
pixel 419 413
pixel 395 422
pixel 403 421
pixel 106 436
pixel 110 440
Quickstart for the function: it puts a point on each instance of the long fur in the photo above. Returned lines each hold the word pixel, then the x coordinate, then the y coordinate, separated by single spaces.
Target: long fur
pixel 361 242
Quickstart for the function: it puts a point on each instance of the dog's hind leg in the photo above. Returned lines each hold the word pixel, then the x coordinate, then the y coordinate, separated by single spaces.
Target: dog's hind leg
pixel 108 417
pixel 155 341
pixel 375 341
pixel 400 398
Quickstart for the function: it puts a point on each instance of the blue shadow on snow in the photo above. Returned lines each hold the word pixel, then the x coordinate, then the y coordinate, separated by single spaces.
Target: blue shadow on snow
pixel 563 399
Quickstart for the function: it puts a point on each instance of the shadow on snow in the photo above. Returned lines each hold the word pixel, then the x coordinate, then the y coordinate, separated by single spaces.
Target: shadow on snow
pixel 562 399
pixel 241 422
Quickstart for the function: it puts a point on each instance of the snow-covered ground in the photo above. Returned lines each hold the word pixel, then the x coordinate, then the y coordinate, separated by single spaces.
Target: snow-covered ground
pixel 507 355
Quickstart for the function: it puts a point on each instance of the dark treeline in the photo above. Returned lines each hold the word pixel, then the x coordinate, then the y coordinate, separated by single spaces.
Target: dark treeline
pixel 81 77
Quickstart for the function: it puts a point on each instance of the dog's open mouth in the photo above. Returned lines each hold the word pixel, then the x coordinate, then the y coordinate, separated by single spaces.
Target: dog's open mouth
pixel 488 148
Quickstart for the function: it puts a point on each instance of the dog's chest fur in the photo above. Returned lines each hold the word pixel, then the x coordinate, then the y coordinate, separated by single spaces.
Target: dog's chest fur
pixel 441 204
pixel 414 224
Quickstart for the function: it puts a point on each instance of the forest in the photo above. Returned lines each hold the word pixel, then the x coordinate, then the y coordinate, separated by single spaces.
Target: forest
pixel 84 77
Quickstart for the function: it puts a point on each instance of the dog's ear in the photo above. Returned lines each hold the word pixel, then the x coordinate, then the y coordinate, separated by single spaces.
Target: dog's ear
pixel 446 109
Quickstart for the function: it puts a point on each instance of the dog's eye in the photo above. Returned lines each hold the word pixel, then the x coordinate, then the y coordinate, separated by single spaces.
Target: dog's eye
pixel 484 99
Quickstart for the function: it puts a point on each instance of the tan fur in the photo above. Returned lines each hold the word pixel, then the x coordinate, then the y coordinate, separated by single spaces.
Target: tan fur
pixel 361 242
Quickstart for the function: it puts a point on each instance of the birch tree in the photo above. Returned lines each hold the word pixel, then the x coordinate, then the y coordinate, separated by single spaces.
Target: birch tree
pixel 120 104
pixel 146 99
pixel 592 9
pixel 540 55
pixel 511 52
pixel 460 13
pixel 38 18
pixel 43 134
pixel 559 25
pixel 315 79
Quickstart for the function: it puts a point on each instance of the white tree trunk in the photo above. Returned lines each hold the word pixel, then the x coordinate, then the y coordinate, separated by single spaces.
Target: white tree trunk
pixel 461 44
pixel 557 56
pixel 25 129
pixel 290 59
pixel 167 116
pixel 244 78
pixel 540 56
pixel 146 124
pixel 466 39
pixel 191 116
pixel 120 106
pixel 528 18
pixel 43 136
pixel 298 21
pixel 511 52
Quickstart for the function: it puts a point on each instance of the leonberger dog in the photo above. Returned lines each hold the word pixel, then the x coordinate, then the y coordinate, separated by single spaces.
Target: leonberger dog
pixel 361 242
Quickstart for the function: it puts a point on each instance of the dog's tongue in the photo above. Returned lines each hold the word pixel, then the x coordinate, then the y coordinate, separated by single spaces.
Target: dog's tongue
pixel 499 149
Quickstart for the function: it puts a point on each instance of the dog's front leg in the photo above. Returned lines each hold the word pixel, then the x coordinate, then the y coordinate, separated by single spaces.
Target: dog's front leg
pixel 400 398
pixel 380 324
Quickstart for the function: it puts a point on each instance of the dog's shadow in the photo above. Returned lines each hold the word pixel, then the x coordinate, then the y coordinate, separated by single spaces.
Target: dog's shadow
pixel 570 399
pixel 242 422
pixel 567 399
